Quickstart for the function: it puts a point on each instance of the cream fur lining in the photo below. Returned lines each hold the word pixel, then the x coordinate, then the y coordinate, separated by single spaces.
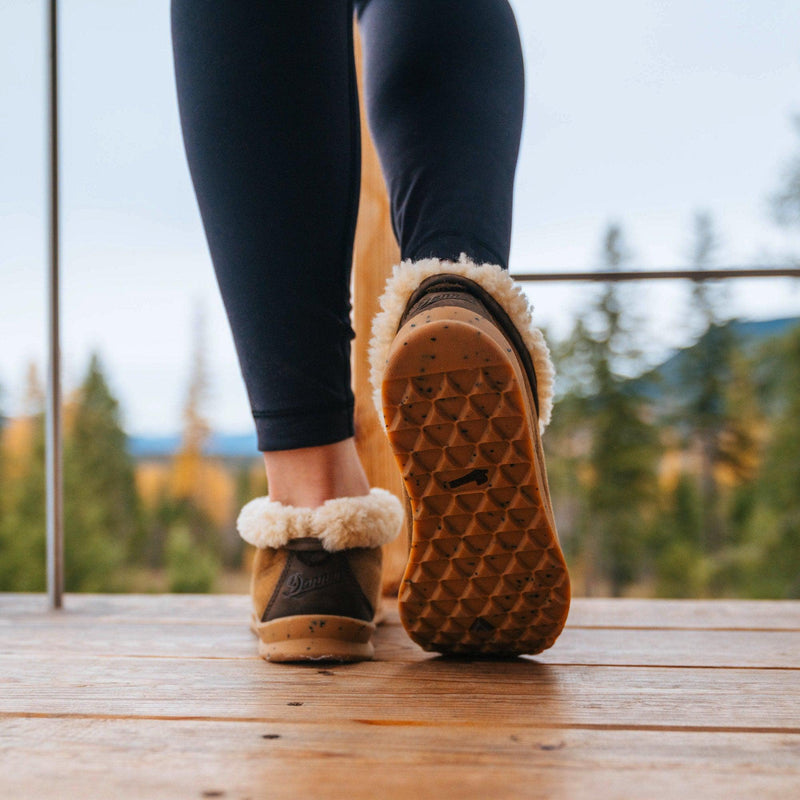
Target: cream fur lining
pixel 408 275
pixel 369 521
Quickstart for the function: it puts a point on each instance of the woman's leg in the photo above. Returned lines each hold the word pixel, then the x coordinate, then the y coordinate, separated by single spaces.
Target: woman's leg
pixel 309 476
pixel 445 93
pixel 269 111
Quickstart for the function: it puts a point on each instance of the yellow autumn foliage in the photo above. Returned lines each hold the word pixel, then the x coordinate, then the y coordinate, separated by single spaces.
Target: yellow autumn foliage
pixel 152 479
pixel 207 483
pixel 17 445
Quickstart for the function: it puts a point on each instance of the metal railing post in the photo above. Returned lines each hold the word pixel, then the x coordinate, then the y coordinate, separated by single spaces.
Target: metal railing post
pixel 53 448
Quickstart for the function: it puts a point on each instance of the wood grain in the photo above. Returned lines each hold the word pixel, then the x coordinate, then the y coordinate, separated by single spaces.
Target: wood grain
pixel 155 759
pixel 162 696
pixel 593 646
pixel 756 615
pixel 433 690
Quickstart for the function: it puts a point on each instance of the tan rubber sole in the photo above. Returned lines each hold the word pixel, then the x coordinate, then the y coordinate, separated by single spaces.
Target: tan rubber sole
pixel 485 573
pixel 314 637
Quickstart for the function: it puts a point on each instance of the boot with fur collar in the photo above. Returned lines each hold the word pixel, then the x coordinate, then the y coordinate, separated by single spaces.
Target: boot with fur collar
pixel 464 384
pixel 317 574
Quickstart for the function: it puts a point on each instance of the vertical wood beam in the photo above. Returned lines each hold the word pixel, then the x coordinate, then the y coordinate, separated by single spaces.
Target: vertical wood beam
pixel 375 253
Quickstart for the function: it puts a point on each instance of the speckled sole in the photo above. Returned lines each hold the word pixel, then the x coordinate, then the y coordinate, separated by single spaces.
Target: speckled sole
pixel 317 637
pixel 485 575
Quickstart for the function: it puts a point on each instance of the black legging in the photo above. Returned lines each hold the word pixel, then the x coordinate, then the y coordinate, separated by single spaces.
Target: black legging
pixel 269 111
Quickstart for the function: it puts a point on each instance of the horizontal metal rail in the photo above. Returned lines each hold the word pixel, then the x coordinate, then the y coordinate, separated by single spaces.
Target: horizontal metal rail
pixel 660 274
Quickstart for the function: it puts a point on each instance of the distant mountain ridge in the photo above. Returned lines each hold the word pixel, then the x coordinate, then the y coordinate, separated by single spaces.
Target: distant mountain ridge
pixel 749 334
pixel 220 445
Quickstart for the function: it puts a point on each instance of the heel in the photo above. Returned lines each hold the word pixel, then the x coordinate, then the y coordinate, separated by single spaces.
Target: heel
pixel 317 637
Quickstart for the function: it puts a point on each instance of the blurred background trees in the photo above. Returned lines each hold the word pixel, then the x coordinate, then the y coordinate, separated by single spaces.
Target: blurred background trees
pixel 22 512
pixel 676 480
pixel 153 523
pixel 605 428
pixel 683 480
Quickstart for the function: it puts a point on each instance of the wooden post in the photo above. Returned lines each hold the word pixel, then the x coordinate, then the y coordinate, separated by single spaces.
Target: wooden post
pixel 375 253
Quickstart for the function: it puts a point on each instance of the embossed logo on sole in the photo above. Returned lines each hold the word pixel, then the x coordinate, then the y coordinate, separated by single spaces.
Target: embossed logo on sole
pixel 478 476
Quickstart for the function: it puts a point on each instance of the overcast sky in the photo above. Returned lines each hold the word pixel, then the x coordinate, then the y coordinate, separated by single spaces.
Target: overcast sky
pixel 638 111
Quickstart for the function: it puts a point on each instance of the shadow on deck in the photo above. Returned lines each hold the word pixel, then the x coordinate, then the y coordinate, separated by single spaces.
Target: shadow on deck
pixel 164 696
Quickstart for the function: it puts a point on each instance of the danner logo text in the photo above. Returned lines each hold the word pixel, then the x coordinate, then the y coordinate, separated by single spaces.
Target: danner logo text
pixel 297 583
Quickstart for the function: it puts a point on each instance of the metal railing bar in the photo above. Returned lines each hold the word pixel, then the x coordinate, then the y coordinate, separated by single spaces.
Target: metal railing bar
pixel 661 274
pixel 53 433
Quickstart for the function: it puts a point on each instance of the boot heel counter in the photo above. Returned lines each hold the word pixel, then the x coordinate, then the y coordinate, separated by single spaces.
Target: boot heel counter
pixel 319 583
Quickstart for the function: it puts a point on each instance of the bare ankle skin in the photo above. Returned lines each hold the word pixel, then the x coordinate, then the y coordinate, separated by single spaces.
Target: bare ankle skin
pixel 309 476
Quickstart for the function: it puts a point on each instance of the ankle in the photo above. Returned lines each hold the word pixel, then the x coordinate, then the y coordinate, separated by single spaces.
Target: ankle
pixel 309 476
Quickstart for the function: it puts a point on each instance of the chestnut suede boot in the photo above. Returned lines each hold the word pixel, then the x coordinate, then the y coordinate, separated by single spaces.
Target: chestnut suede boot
pixel 464 383
pixel 316 577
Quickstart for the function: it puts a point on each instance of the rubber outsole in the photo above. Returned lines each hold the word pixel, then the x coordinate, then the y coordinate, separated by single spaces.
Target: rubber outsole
pixel 485 574
pixel 314 637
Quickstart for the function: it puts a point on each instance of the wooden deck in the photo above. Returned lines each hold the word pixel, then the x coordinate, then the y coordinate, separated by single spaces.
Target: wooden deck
pixel 163 696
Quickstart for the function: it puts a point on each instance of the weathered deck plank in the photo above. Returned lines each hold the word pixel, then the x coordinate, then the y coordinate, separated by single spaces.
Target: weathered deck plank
pixel 157 759
pixel 755 615
pixel 518 693
pixel 159 696
pixel 597 646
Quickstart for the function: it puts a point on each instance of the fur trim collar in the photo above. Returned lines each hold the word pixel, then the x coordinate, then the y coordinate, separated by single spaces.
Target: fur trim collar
pixel 408 275
pixel 369 521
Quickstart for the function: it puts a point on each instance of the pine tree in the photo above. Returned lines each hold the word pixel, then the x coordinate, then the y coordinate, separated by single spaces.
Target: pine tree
pixel 715 399
pixel 188 536
pixel 101 508
pixel 187 475
pixel 773 530
pixel 676 543
pixel 22 524
pixel 622 450
pixel 774 527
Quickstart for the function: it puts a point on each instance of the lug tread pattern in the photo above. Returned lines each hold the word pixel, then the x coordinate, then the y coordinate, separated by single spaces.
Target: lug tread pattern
pixel 485 574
